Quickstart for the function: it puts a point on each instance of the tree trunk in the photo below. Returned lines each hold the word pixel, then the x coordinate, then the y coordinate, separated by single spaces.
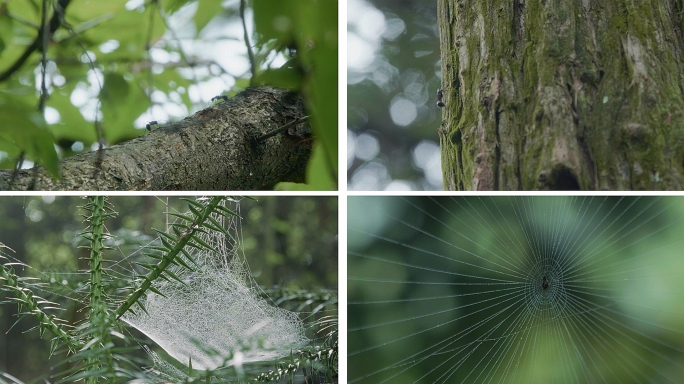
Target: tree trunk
pixel 217 148
pixel 557 94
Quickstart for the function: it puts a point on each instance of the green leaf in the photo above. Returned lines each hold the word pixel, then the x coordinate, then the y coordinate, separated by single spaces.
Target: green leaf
pixel 72 126
pixel 19 34
pixel 187 218
pixel 218 226
pixel 155 290
pixel 228 211
pixel 24 129
pixel 114 89
pixel 318 174
pixel 191 244
pixel 276 19
pixel 214 228
pixel 122 103
pixel 195 211
pixel 53 345
pixel 201 242
pixel 149 267
pixel 283 77
pixel 128 27
pixel 175 5
pixel 206 12
pixel 194 203
pixel 321 90
pixel 160 249
pixel 187 256
pixel 175 230
pixel 153 256
pixel 142 306
pixel 178 228
pixel 311 26
pixel 6 28
pixel 166 235
pixel 173 275
pixel 179 261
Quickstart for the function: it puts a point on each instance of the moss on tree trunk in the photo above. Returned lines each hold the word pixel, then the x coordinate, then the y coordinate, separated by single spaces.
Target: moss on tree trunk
pixel 561 94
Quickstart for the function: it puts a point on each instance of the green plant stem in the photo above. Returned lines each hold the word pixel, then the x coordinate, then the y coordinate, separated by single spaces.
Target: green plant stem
pixel 96 247
pixel 97 306
pixel 24 297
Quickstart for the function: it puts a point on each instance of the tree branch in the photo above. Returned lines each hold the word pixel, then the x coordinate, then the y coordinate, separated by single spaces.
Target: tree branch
pixel 282 129
pixel 217 148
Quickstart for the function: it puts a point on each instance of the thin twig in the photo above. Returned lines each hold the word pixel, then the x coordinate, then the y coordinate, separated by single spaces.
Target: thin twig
pixel 45 34
pixel 43 57
pixel 148 46
pixel 174 36
pixel 55 22
pixel 97 125
pixel 252 62
pixel 281 129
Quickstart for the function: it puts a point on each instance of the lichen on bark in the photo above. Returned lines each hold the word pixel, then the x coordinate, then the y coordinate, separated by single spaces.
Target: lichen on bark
pixel 553 94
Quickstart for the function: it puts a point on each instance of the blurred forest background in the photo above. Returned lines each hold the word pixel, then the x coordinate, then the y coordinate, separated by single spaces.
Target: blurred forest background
pixel 455 262
pixel 393 74
pixel 114 66
pixel 290 243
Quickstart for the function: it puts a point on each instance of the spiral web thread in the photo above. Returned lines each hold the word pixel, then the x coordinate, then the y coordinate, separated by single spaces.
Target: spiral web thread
pixel 518 289
pixel 219 316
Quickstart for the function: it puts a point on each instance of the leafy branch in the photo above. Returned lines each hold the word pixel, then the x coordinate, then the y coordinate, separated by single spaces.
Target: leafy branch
pixel 250 54
pixel 29 304
pixel 98 332
pixel 97 349
pixel 302 298
pixel 325 355
pixel 171 247
pixel 55 22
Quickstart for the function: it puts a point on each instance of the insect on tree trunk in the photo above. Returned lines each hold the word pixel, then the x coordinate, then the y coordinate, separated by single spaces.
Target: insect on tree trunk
pixel 557 94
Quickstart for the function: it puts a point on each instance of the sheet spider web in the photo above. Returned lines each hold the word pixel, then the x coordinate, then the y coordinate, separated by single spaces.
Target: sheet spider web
pixel 218 316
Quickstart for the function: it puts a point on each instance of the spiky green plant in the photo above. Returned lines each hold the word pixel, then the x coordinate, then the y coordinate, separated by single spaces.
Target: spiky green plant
pixel 97 349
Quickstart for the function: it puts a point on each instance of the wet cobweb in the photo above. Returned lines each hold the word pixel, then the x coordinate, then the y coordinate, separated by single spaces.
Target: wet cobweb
pixel 218 317
pixel 516 289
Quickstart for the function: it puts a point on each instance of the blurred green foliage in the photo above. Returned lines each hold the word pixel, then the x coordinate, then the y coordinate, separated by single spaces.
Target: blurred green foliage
pixel 459 310
pixel 393 75
pixel 115 65
pixel 290 244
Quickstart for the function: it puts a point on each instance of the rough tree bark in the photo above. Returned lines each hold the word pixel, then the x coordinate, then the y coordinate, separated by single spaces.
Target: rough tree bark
pixel 217 148
pixel 558 94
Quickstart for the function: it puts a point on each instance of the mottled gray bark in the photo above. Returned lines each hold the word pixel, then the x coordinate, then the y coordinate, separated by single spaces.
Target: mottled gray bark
pixel 217 148
pixel 557 94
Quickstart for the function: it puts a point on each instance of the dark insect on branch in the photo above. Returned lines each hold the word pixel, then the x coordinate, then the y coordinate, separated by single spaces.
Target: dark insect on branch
pixel 152 123
pixel 219 97
pixel 440 96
